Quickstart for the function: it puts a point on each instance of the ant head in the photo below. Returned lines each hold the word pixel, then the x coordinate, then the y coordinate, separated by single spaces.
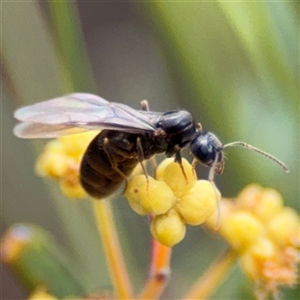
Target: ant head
pixel 208 150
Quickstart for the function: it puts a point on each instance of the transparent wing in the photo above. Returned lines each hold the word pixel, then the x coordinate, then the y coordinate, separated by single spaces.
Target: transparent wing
pixel 35 130
pixel 77 113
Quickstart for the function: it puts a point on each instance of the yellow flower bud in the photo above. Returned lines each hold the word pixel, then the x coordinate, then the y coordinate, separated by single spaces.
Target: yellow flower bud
pixel 76 144
pixel 40 294
pixel 168 229
pixel 132 193
pixel 74 191
pixel 54 165
pixel 161 168
pixel 250 266
pixel 138 169
pixel 283 228
pixel 61 161
pixel 264 203
pixel 174 177
pixel 150 196
pixel 269 205
pixel 249 196
pixel 198 204
pixel 264 248
pixel 217 217
pixel 241 229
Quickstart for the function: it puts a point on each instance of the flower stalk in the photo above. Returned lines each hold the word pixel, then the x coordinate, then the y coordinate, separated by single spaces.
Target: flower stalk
pixel 159 271
pixel 113 252
pixel 213 277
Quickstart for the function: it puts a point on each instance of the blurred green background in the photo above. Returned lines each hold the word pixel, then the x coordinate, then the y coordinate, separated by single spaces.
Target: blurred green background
pixel 234 65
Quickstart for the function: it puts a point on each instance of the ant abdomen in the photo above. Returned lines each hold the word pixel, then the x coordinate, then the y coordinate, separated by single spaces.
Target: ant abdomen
pixel 103 170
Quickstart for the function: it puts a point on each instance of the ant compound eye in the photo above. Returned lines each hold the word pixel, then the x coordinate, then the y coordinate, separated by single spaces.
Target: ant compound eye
pixel 205 147
pixel 205 151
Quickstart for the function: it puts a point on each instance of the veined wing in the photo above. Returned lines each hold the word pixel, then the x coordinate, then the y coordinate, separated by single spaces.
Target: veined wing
pixel 77 113
pixel 35 130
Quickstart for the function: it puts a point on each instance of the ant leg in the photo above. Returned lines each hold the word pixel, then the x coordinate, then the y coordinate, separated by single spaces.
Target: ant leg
pixel 145 105
pixel 113 164
pixel 194 163
pixel 140 153
pixel 199 127
pixel 154 166
pixel 211 176
pixel 179 160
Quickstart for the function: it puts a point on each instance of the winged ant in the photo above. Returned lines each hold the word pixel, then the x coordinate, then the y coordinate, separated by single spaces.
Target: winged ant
pixel 127 137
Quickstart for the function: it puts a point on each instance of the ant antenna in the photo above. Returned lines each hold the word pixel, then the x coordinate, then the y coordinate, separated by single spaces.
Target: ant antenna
pixel 211 176
pixel 245 145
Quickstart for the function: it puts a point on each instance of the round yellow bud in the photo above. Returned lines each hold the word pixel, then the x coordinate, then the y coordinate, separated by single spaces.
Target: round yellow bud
pixel 265 203
pixel 55 146
pixel 199 203
pixel 52 165
pixel 76 144
pixel 149 196
pixel 138 169
pixel 283 228
pixel 249 196
pixel 73 191
pixel 241 229
pixel 132 193
pixel 61 161
pixel 168 229
pixel 175 178
pixel 216 219
pixel 41 294
pixel 161 168
pixel 263 249
pixel 250 266
pixel 269 205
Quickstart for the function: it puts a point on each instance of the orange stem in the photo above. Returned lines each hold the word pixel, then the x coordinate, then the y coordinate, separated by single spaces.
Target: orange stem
pixel 213 277
pixel 113 253
pixel 159 271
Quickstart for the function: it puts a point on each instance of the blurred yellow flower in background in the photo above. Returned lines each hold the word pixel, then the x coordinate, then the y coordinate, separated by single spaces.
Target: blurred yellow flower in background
pixel 61 160
pixel 265 233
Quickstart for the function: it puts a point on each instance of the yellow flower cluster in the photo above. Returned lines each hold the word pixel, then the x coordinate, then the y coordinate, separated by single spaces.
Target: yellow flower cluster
pixel 172 199
pixel 61 160
pixel 39 294
pixel 265 234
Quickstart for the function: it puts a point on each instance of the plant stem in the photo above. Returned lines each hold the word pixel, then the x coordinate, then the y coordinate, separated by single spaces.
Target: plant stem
pixel 213 277
pixel 113 253
pixel 159 271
